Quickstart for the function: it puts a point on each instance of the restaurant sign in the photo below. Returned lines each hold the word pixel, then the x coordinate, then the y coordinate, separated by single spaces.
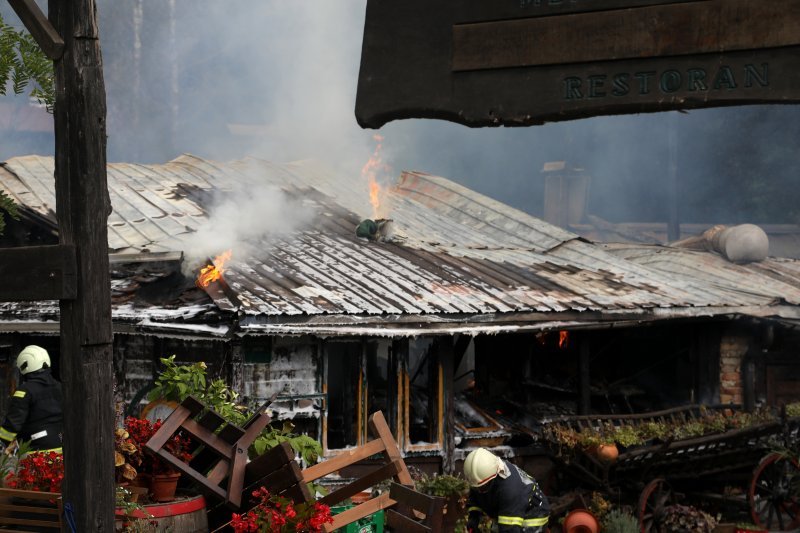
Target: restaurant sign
pixel 523 62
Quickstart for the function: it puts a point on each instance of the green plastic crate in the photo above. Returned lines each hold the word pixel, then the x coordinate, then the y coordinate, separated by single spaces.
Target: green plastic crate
pixel 369 524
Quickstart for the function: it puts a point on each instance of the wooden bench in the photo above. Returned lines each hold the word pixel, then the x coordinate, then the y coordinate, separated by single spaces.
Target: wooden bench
pixel 221 452
pixel 27 510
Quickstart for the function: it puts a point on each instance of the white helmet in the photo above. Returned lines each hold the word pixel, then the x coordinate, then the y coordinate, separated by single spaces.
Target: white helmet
pixel 481 466
pixel 32 358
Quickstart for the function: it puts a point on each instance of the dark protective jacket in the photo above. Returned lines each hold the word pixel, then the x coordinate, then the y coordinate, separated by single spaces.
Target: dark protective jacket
pixel 34 413
pixel 516 502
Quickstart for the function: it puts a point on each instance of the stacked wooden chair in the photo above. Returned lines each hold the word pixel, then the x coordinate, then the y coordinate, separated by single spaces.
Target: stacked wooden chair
pixel 220 468
pixel 218 465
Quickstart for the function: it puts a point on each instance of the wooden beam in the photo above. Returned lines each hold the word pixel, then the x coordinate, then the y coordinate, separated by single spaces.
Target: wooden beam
pixel 38 273
pixel 82 210
pixel 655 31
pixel 39 27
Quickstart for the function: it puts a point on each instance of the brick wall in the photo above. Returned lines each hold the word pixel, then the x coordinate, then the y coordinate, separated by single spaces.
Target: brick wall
pixel 733 348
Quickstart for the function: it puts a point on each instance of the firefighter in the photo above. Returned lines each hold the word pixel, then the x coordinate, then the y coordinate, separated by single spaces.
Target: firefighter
pixel 505 493
pixel 34 412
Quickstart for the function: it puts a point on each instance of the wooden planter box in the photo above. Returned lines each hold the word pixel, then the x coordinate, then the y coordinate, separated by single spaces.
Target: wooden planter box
pixel 30 508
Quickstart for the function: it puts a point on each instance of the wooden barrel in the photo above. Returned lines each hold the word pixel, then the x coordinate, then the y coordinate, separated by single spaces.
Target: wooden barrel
pixel 184 515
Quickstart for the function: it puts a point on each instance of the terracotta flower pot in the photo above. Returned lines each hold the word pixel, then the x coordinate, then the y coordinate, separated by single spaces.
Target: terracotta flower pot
pixel 581 521
pixel 163 486
pixel 607 453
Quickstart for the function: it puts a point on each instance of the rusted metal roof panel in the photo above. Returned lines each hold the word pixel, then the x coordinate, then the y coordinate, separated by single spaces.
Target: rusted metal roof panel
pixel 452 251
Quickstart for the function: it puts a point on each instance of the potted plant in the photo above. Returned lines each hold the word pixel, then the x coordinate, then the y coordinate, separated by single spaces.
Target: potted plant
pixel 618 521
pixel 38 471
pixel 685 518
pixel 160 477
pixel 455 489
pixel 277 514
pixel 127 457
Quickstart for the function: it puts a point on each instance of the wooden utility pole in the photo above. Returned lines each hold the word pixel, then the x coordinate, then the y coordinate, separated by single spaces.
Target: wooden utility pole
pixel 82 208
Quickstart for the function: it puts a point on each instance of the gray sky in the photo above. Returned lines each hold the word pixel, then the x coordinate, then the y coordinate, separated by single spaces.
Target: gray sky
pixel 277 79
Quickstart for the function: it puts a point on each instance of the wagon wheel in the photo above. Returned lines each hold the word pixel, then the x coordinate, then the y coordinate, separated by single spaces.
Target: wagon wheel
pixel 774 495
pixel 655 497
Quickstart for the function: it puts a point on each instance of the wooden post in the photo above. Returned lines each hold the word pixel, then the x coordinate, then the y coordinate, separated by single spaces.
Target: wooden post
pixel 446 357
pixel 83 207
pixel 584 376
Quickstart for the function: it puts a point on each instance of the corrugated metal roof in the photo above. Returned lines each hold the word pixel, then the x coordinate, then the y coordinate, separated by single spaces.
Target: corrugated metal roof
pixel 454 252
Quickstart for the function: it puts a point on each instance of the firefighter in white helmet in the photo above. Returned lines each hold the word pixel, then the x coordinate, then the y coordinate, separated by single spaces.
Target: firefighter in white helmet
pixel 505 493
pixel 34 412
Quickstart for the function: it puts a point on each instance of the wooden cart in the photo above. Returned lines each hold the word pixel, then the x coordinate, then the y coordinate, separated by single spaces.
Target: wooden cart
pixel 759 462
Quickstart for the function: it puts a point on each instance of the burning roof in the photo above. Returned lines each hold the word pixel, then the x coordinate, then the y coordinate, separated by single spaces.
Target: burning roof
pixel 457 261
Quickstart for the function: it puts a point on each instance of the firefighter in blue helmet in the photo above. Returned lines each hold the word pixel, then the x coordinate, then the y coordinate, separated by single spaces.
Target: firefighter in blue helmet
pixel 505 493
pixel 34 412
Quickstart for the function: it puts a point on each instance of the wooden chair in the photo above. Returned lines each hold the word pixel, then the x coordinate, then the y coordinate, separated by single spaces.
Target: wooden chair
pixel 222 447
pixel 27 510
pixel 393 468
pixel 278 471
pixel 403 516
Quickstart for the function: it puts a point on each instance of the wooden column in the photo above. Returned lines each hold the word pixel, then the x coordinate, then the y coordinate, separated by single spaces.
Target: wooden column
pixel 584 376
pixel 236 369
pixel 83 206
pixel 446 359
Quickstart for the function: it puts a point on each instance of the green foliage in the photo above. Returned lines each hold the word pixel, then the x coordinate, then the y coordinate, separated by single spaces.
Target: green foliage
pixel 638 433
pixel 627 436
pixel 442 485
pixel 8 462
pixel 10 208
pixel 618 521
pixel 793 409
pixel 23 63
pixel 176 382
pixel 308 448
pixel 131 524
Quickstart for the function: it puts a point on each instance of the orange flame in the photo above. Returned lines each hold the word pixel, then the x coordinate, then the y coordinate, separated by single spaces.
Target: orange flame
pixel 370 171
pixel 563 338
pixel 213 271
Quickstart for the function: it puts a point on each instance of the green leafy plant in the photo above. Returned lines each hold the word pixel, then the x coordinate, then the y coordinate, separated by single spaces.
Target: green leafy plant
pixel 443 485
pixel 627 436
pixel 634 433
pixel 22 63
pixel 7 207
pixel 619 521
pixel 747 526
pixel 176 382
pixel 9 461
pixel 454 488
pixel 135 518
